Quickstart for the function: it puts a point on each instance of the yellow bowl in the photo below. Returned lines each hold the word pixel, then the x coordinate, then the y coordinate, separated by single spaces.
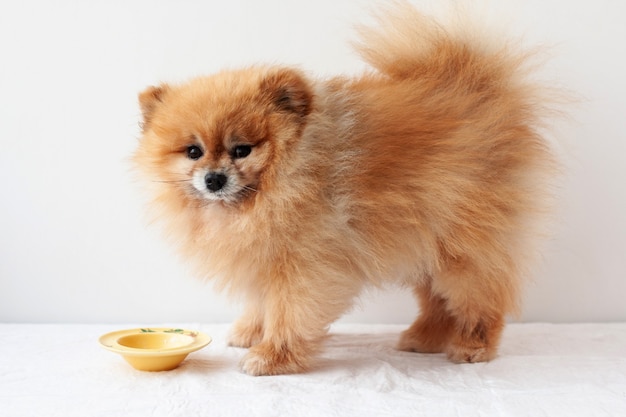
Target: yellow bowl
pixel 154 348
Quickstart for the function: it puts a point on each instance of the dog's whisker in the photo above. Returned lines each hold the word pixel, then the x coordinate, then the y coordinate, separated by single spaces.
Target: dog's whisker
pixel 248 188
pixel 171 181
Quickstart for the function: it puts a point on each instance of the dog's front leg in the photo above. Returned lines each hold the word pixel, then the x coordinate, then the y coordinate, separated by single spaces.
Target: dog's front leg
pixel 295 323
pixel 248 330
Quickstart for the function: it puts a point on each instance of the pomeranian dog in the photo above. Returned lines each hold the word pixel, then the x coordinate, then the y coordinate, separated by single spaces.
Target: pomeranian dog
pixel 296 192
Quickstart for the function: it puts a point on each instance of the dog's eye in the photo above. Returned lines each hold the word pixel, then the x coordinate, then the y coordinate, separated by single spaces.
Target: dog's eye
pixel 194 152
pixel 241 151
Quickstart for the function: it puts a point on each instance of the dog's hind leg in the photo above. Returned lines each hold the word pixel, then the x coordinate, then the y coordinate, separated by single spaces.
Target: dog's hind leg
pixel 434 326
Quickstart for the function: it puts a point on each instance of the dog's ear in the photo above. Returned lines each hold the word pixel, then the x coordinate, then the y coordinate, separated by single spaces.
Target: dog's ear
pixel 289 92
pixel 149 99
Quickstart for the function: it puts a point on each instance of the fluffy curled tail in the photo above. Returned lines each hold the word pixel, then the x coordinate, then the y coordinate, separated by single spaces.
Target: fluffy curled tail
pixel 407 44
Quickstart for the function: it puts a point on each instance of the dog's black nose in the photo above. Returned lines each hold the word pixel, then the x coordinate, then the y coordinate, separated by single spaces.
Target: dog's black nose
pixel 215 181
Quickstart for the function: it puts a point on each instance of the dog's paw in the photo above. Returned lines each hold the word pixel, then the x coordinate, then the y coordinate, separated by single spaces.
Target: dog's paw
pixel 245 336
pixel 412 342
pixel 479 344
pixel 427 335
pixel 465 354
pixel 265 359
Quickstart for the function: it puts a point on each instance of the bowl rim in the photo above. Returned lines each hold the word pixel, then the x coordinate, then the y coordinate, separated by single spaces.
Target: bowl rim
pixel 109 341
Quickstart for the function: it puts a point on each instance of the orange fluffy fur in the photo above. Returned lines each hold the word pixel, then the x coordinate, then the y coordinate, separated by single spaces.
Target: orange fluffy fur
pixel 296 192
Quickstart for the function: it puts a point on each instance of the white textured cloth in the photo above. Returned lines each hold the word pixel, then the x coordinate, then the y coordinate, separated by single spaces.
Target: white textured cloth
pixel 543 370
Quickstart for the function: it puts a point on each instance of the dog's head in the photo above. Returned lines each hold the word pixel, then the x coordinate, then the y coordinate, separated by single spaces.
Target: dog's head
pixel 218 139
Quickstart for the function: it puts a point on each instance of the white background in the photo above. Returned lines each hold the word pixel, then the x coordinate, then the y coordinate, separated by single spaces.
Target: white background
pixel 74 245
